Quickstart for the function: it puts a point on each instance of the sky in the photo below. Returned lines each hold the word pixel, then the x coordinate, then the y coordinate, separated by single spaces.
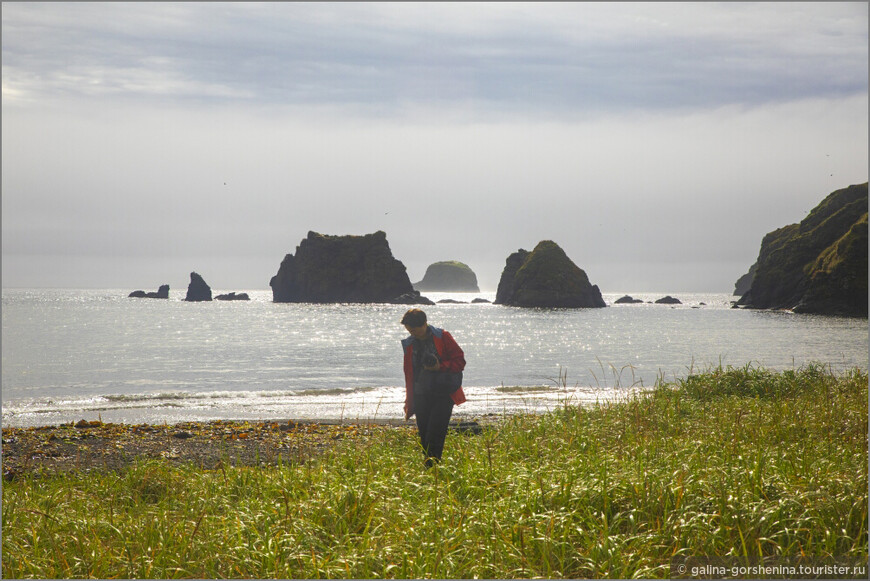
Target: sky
pixel 655 143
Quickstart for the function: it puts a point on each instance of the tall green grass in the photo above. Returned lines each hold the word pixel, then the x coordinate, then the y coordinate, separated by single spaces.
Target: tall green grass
pixel 729 462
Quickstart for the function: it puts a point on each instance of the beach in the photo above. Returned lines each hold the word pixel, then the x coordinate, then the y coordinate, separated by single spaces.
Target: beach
pixel 734 462
pixel 208 445
pixel 86 446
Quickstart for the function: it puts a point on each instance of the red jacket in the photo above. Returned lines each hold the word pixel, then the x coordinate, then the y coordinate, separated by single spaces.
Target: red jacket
pixel 452 359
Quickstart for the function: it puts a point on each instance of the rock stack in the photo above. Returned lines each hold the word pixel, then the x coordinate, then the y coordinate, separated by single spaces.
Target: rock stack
pixel 546 277
pixel 343 269
pixel 197 290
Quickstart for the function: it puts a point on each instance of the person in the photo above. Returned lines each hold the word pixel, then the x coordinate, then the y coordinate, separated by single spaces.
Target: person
pixel 433 363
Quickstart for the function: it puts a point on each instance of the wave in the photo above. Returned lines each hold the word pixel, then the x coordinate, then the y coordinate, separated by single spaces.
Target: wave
pixel 233 395
pixel 353 404
pixel 530 389
pixel 334 391
pixel 153 406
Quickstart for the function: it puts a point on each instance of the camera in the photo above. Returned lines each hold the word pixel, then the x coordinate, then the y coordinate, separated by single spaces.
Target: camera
pixel 430 360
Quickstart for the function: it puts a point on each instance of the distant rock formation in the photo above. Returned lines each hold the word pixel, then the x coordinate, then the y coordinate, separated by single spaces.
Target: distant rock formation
pixel 744 283
pixel 448 276
pixel 162 293
pixel 627 300
pixel 197 290
pixel 669 300
pixel 546 277
pixel 233 297
pixel 411 298
pixel 817 266
pixel 476 301
pixel 343 269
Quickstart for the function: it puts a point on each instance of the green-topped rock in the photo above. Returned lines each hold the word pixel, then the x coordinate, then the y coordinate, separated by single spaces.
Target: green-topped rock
pixel 546 277
pixel 343 269
pixel 817 266
pixel 448 276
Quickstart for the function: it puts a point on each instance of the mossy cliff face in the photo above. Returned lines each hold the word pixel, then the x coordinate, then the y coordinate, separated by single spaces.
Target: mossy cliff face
pixel 341 269
pixel 817 266
pixel 448 276
pixel 546 277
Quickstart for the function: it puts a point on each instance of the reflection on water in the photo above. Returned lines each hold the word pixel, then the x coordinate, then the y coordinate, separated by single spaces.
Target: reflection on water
pixel 71 353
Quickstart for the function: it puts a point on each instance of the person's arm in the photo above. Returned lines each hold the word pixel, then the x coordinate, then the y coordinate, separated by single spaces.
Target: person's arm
pixel 409 383
pixel 453 358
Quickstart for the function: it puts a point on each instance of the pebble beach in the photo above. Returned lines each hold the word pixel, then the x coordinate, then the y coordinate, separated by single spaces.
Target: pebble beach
pixel 96 445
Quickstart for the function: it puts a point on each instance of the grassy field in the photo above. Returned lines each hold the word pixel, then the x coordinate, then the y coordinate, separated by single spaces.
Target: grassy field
pixel 731 461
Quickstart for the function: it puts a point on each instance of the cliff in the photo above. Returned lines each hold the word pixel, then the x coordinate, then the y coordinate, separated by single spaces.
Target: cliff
pixel 448 276
pixel 817 266
pixel 342 269
pixel 545 277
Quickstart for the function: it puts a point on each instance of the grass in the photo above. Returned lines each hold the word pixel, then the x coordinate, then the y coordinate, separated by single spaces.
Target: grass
pixel 729 462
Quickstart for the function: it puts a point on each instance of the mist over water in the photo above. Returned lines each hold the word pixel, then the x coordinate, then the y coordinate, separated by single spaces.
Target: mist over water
pixel 73 354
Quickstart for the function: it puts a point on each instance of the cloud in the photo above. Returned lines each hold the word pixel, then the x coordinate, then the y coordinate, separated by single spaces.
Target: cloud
pixel 647 188
pixel 548 59
pixel 654 142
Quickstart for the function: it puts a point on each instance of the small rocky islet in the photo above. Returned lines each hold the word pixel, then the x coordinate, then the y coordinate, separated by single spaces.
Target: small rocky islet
pixel 162 293
pixel 448 276
pixel 197 291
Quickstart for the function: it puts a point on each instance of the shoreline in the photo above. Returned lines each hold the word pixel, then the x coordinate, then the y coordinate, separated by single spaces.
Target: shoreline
pixel 725 461
pixel 87 446
pixel 375 405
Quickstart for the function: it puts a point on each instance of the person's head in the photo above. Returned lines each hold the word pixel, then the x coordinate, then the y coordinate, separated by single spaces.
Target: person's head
pixel 415 322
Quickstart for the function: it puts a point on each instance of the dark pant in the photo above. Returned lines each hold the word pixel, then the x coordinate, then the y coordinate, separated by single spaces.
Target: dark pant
pixel 433 415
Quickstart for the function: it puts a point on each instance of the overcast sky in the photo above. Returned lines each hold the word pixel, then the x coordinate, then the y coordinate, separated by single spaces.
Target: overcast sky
pixel 656 143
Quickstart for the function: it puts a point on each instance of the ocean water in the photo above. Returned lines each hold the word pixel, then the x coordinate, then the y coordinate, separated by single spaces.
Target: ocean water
pixel 96 354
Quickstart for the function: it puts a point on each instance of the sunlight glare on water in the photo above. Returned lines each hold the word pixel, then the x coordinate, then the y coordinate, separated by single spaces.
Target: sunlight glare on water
pixel 89 353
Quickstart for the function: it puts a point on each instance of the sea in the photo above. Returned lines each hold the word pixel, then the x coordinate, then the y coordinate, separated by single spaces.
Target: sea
pixel 71 354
